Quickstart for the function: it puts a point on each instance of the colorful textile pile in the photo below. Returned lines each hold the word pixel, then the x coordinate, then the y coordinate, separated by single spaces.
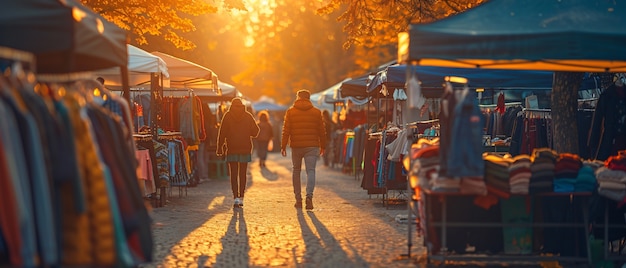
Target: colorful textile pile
pixel 497 172
pixel 565 172
pixel 520 174
pixel 425 167
pixel 542 169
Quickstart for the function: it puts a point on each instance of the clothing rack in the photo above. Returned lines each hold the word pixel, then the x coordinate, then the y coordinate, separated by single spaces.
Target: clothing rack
pixel 142 137
pixel 507 104
pixel 170 135
pixel 414 124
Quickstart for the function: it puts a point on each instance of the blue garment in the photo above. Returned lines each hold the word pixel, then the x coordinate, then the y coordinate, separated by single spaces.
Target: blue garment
pixel 17 172
pixel 381 160
pixel 40 188
pixel 144 101
pixel 466 148
pixel 446 117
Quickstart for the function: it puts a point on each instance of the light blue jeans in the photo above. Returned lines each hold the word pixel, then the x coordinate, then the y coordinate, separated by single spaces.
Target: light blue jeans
pixel 310 155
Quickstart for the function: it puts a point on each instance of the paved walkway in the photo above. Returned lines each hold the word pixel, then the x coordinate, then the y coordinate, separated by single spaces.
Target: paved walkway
pixel 347 228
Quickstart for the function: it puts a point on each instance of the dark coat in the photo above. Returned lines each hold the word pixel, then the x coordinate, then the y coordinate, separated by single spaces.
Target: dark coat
pixel 608 118
pixel 236 131
pixel 267 131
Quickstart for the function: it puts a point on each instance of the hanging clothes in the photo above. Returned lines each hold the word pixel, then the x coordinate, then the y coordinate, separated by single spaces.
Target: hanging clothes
pixel 465 147
pixel 75 198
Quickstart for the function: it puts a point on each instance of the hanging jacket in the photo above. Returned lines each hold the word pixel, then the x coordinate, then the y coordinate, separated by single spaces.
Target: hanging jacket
pixel 608 123
pixel 466 148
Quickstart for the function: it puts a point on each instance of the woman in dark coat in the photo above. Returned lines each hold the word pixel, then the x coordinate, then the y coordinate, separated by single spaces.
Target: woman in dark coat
pixel 266 134
pixel 234 137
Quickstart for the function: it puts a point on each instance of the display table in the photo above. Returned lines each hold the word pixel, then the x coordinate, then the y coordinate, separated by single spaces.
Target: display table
pixel 440 218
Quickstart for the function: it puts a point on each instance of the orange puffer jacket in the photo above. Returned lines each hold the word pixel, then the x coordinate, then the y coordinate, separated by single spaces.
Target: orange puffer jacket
pixel 303 126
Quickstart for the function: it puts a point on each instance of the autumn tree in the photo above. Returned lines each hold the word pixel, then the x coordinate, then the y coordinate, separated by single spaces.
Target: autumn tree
pixel 377 23
pixel 289 47
pixel 373 26
pixel 164 18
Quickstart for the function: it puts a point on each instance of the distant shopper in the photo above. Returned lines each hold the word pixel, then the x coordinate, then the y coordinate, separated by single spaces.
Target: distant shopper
pixel 236 131
pixel 266 134
pixel 330 129
pixel 304 131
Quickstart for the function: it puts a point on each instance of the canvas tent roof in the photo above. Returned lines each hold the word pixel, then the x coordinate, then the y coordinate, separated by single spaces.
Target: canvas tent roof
pixel 226 93
pixel 356 87
pixel 573 35
pixel 433 78
pixel 140 65
pixel 64 36
pixel 186 74
pixel 325 99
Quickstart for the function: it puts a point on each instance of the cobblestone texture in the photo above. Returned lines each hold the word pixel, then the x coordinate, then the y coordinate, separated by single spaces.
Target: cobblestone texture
pixel 347 228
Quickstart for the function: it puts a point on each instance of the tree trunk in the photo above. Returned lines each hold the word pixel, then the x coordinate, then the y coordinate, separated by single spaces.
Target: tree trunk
pixel 565 111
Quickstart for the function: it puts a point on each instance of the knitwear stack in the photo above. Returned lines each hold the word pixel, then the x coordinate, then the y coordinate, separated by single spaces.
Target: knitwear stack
pixel 565 172
pixel 473 185
pixel 586 179
pixel 497 172
pixel 520 174
pixel 425 167
pixel 611 183
pixel 542 169
pixel 617 162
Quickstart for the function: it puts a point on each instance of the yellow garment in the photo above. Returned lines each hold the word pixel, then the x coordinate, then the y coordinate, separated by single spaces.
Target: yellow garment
pixel 88 238
pixel 190 148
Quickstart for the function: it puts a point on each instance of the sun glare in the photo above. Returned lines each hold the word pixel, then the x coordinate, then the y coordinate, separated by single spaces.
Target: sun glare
pixel 257 12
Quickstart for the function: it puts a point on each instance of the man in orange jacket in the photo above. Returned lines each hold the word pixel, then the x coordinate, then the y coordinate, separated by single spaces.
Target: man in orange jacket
pixel 304 131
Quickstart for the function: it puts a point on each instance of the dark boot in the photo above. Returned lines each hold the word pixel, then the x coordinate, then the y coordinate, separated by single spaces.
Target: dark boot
pixel 309 203
pixel 298 204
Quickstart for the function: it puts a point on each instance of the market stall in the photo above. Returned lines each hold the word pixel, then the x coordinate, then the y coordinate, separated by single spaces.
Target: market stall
pixel 572 36
pixel 58 165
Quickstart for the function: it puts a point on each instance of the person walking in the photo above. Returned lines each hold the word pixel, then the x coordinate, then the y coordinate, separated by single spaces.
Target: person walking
pixel 304 131
pixel 266 134
pixel 235 133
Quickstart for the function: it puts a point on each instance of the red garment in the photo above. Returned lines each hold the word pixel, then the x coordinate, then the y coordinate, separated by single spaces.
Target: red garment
pixel 486 201
pixel 8 217
pixel 501 106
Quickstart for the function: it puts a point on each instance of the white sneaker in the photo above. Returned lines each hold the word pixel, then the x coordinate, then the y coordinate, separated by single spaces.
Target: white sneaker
pixel 241 201
pixel 237 201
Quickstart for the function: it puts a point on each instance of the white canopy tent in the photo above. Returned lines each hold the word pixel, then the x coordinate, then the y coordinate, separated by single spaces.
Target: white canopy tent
pixel 185 74
pixel 325 99
pixel 140 65
pixel 227 91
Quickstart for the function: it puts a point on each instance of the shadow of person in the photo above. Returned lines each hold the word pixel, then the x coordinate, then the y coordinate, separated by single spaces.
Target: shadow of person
pixel 268 174
pixel 235 243
pixel 318 249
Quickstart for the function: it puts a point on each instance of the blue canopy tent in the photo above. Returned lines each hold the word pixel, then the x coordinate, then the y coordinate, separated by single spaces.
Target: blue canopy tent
pixel 268 106
pixel 356 87
pixel 550 35
pixel 572 35
pixel 432 79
